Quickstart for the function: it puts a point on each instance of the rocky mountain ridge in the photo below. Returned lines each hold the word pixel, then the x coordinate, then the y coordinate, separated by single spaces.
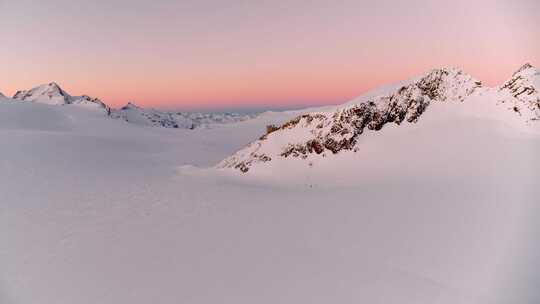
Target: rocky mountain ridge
pixel 332 132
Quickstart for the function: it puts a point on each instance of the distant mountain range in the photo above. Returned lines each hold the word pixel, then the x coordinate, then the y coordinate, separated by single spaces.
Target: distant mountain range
pixel 184 120
pixel 53 94
pixel 329 132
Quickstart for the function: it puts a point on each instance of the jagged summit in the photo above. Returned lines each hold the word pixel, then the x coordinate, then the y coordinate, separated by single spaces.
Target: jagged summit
pixel 54 86
pixel 445 69
pixel 447 84
pixel 130 105
pixel 455 78
pixel 524 67
pixel 521 92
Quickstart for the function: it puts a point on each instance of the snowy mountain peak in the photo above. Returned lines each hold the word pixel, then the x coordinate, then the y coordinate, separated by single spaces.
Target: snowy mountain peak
pixel 524 67
pixel 52 94
pixel 49 93
pixel 449 70
pixel 447 84
pixel 522 92
pixel 54 85
pixel 130 105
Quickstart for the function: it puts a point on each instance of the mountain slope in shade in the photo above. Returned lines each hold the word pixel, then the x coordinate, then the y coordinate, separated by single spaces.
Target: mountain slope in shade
pixel 327 133
pixel 53 94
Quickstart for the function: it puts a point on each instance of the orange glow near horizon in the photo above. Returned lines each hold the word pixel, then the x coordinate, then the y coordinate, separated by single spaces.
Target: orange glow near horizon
pixel 209 55
pixel 312 87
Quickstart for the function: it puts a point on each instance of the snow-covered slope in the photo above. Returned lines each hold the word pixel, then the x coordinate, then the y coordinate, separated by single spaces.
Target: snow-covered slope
pixel 331 132
pixel 53 94
pixel 184 120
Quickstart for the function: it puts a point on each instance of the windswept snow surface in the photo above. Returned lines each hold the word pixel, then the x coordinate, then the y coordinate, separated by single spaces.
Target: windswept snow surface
pixel 94 210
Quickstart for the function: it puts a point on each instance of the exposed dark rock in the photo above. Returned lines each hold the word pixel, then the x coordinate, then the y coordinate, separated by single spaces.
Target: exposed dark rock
pixel 408 103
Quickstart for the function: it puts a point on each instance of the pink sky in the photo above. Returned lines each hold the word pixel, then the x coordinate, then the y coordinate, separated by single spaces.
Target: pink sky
pixel 217 54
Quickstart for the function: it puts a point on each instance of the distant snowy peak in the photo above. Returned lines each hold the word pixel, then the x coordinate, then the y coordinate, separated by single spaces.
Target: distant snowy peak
pixel 50 93
pixel 526 66
pixel 521 92
pixel 331 132
pixel 53 94
pixel 129 106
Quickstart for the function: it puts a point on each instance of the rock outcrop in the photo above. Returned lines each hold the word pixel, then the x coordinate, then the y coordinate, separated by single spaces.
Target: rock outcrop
pixel 521 92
